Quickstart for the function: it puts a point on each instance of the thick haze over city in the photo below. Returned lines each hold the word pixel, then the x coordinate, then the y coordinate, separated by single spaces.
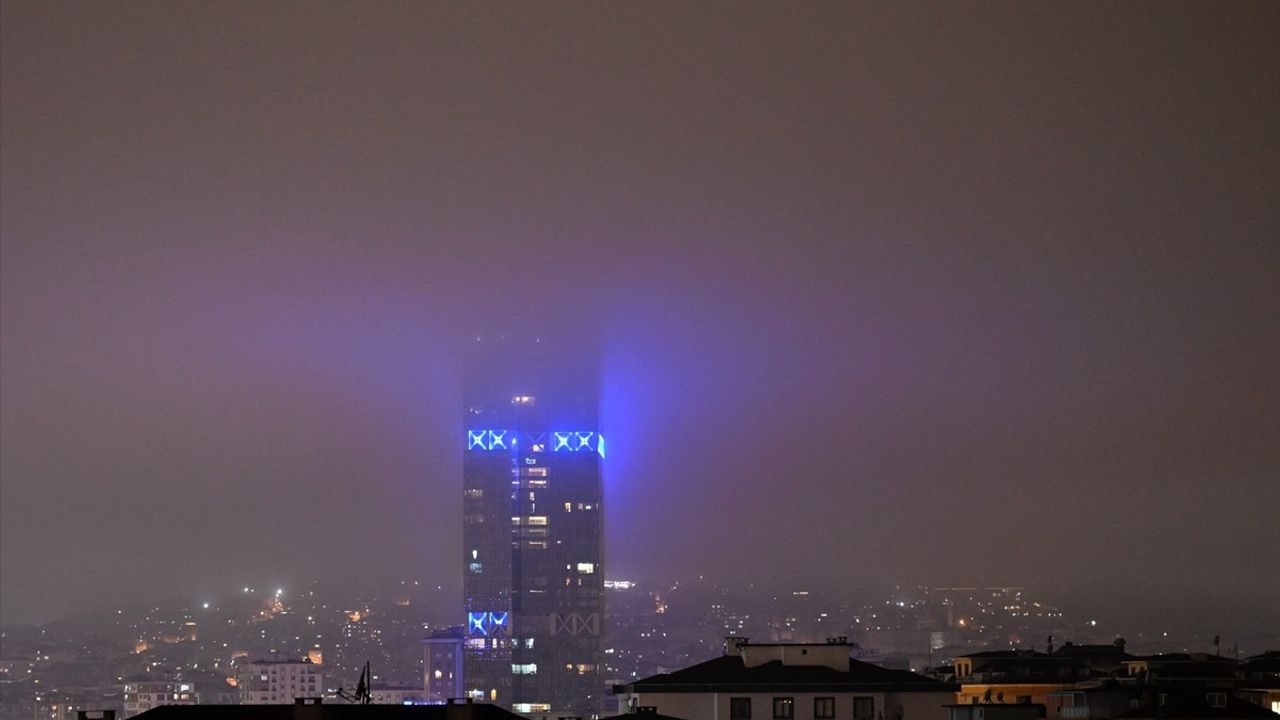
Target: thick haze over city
pixel 897 293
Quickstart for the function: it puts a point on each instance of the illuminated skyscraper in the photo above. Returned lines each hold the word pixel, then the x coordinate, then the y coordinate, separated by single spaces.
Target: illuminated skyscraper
pixel 532 533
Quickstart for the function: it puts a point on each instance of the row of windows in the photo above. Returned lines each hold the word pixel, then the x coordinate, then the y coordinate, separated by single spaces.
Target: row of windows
pixel 784 708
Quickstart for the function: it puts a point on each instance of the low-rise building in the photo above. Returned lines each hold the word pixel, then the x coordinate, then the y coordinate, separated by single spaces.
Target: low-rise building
pixel 140 695
pixel 789 681
pixel 442 665
pixel 385 694
pixel 1260 680
pixel 265 682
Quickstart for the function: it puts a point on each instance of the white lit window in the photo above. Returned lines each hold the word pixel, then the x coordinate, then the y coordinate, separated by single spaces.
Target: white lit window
pixel 525 668
pixel 537 520
pixel 535 472
pixel 586 568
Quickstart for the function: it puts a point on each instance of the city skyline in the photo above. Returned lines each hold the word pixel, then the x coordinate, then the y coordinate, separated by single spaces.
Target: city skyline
pixel 880 294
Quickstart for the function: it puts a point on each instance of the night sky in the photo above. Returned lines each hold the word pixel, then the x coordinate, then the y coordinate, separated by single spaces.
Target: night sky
pixel 957 293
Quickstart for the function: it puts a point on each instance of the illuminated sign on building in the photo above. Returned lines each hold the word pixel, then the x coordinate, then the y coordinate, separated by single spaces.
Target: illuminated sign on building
pixel 485 623
pixel 561 441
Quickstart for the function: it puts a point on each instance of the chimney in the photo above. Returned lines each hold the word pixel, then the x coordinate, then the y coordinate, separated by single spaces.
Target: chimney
pixel 306 709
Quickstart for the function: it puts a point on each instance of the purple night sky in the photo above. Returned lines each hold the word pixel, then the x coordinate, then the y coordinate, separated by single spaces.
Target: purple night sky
pixel 963 293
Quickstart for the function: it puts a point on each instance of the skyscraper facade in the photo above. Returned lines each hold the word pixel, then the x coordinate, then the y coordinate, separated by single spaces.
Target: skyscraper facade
pixel 532 533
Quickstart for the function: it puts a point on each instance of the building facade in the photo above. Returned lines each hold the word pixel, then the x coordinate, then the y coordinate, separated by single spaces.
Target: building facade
pixel 142 695
pixel 269 682
pixel 532 536
pixel 789 681
pixel 442 666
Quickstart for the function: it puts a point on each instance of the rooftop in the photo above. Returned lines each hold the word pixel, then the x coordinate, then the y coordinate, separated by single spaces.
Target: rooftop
pixel 319 711
pixel 1197 708
pixel 730 673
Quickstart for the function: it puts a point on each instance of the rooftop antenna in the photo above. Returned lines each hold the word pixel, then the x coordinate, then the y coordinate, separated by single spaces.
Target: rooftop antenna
pixel 361 696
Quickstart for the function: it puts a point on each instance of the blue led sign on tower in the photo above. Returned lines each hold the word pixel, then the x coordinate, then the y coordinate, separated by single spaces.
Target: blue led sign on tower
pixel 562 441
pixel 485 623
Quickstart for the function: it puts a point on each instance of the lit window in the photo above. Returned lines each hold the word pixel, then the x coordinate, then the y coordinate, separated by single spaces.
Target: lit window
pixel 525 668
pixel 474 493
pixel 475 567
pixel 537 520
pixel 536 472
pixel 586 568
pixel 784 708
